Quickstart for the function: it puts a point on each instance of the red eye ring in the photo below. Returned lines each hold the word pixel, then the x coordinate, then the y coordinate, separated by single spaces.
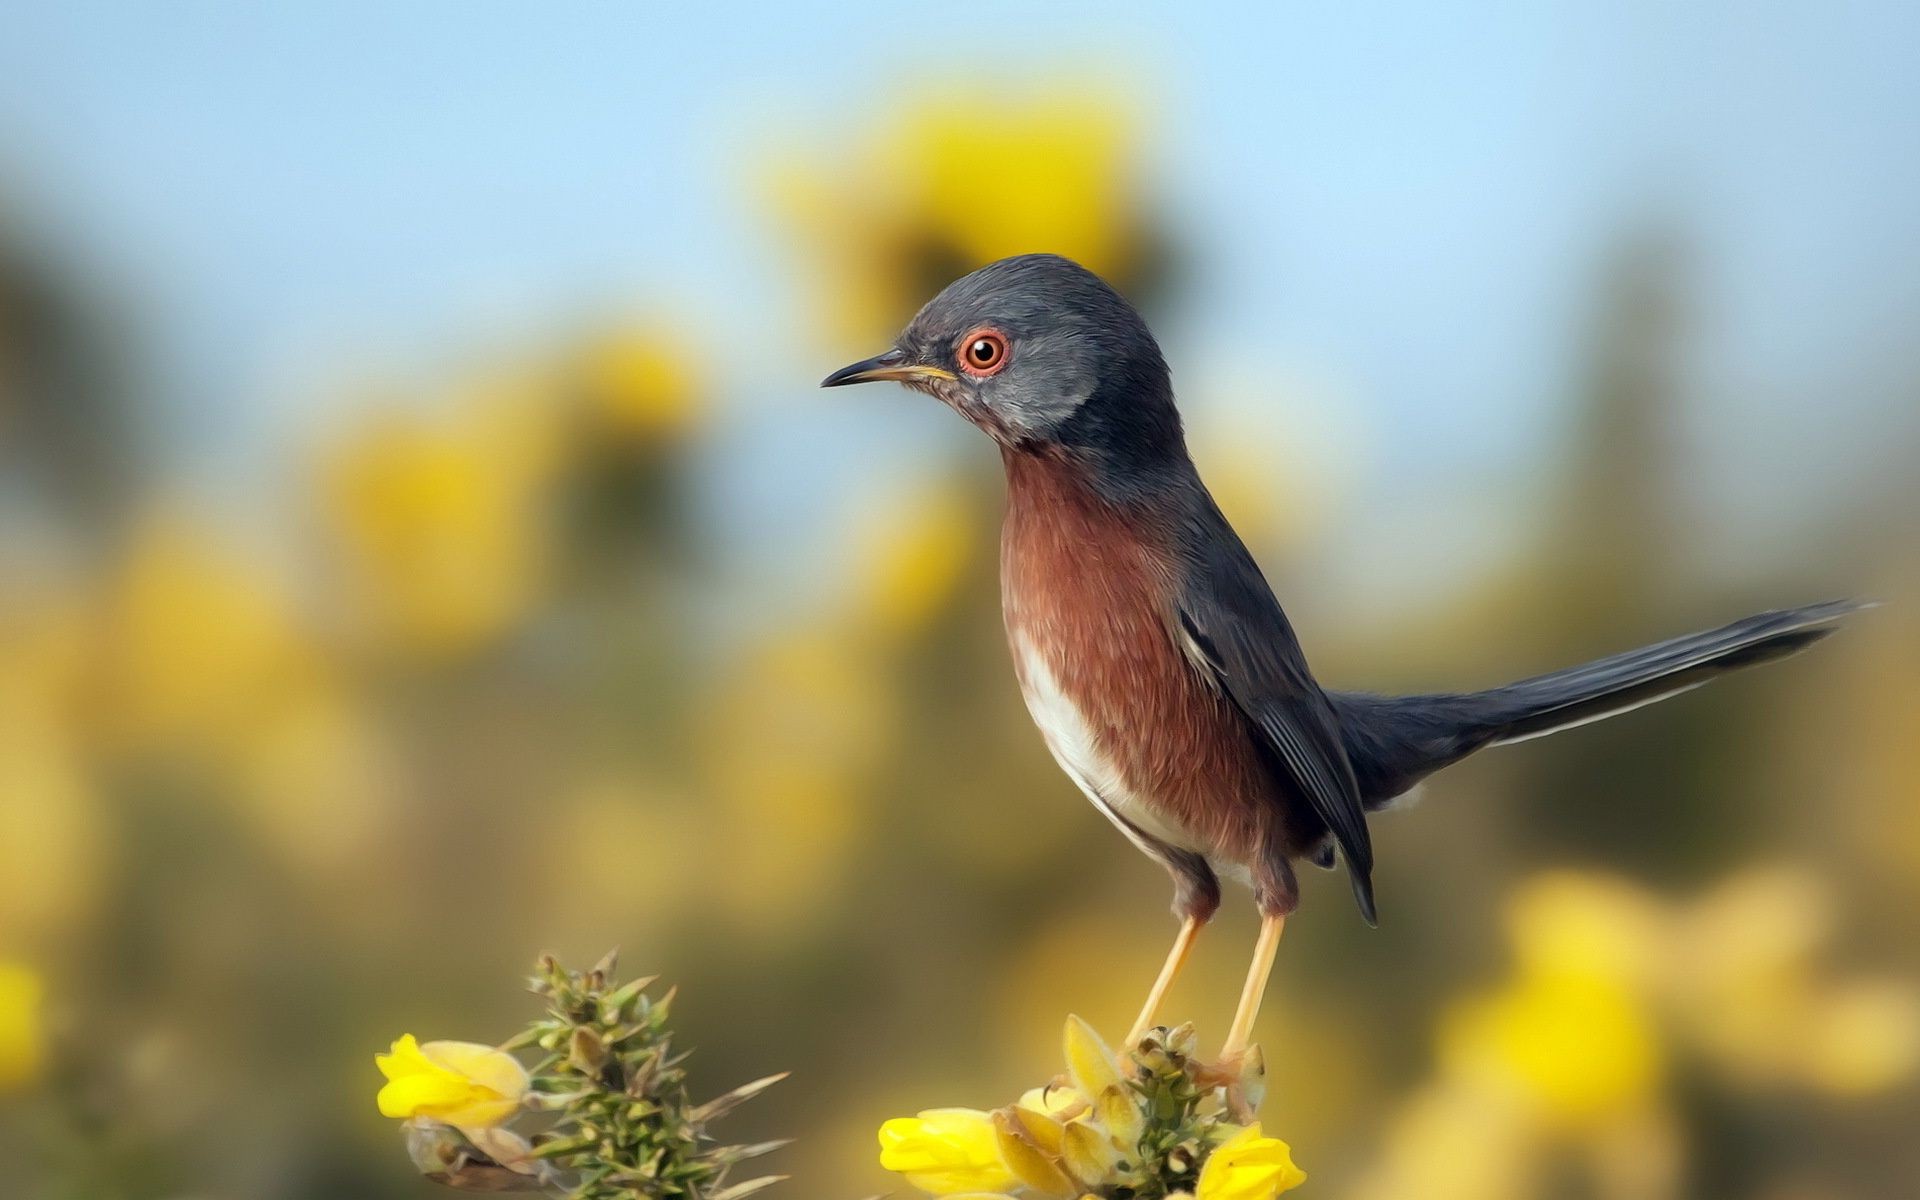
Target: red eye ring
pixel 982 352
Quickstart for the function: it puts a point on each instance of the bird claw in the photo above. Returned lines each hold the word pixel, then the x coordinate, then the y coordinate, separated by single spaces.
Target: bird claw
pixel 1242 1076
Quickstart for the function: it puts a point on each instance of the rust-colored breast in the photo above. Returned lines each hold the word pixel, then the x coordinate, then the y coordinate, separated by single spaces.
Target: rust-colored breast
pixel 1087 589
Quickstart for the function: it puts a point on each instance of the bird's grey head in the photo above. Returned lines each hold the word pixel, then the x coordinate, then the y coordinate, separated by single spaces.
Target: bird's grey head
pixel 1036 350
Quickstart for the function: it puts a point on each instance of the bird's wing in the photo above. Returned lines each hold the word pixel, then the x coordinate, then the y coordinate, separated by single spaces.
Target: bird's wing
pixel 1236 630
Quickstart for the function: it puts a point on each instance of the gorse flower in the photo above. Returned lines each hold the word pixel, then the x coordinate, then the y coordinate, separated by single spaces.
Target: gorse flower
pixel 1153 1125
pixel 455 1083
pixel 946 1151
pixel 1249 1166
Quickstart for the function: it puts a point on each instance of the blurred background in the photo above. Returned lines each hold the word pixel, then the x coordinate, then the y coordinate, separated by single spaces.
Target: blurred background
pixel 424 546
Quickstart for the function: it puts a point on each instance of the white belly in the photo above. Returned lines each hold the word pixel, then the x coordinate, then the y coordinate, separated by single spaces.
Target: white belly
pixel 1076 747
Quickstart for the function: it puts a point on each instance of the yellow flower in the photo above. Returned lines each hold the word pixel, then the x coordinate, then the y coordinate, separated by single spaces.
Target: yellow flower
pixel 440 521
pixel 1091 1064
pixel 639 385
pixel 1097 1076
pixel 1574 1034
pixel 200 639
pixel 1249 1166
pixel 1581 1052
pixel 914 557
pixel 1864 1037
pixel 455 1083
pixel 1056 1100
pixel 909 206
pixel 22 1046
pixel 1034 1148
pixel 946 1150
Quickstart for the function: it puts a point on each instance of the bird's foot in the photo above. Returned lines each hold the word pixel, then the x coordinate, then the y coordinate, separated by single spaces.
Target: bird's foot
pixel 1243 1075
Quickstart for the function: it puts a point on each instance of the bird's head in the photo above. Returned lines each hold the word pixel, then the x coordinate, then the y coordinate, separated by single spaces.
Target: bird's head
pixel 1035 350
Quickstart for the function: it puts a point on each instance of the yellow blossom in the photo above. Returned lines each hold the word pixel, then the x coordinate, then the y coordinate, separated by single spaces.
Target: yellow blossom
pixel 22 1040
pixel 1579 1051
pixel 1055 1100
pixel 911 207
pixel 455 1083
pixel 914 558
pixel 1571 923
pixel 1573 1035
pixel 946 1150
pixel 200 637
pixel 814 706
pixel 1864 1038
pixel 1091 1064
pixel 1034 1148
pixel 440 521
pixel 639 386
pixel 1249 1166
pixel 50 869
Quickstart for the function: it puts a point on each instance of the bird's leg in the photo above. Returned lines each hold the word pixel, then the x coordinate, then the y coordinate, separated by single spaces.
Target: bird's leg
pixel 1176 959
pixel 1241 1032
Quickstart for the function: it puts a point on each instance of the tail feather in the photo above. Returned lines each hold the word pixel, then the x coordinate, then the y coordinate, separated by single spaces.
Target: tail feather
pixel 1394 742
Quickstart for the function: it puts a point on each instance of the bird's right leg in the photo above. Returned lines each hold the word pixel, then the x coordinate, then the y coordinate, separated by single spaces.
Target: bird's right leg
pixel 1196 899
pixel 1277 893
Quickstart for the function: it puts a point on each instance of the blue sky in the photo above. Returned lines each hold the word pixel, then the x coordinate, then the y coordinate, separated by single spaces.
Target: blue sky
pixel 1403 206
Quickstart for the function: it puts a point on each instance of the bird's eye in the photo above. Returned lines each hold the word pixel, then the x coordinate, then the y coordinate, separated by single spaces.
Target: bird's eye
pixel 983 352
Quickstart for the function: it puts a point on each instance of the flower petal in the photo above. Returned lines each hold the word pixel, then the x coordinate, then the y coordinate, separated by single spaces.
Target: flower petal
pixel 1057 1100
pixel 1119 1110
pixel 1029 1163
pixel 1089 1061
pixel 1249 1166
pixel 404 1059
pixel 488 1066
pixel 1089 1153
pixel 945 1151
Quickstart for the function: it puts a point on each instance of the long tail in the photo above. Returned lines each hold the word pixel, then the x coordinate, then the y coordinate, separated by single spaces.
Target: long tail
pixel 1395 741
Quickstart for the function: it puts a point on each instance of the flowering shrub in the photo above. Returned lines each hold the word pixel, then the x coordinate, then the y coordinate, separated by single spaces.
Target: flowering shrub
pixel 621 1124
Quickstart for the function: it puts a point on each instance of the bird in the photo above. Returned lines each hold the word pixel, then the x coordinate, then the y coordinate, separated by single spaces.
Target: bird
pixel 1152 654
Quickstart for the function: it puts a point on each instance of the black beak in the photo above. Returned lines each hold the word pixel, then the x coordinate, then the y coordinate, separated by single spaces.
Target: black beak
pixel 891 365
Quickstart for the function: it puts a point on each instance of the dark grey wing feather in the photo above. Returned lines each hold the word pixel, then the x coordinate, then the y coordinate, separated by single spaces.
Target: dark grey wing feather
pixel 1240 632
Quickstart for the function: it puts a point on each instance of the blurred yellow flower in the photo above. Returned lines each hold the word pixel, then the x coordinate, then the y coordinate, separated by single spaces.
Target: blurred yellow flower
pixel 1864 1037
pixel 639 385
pixel 962 176
pixel 1575 1032
pixel 456 1083
pixel 1748 989
pixel 1452 1140
pixel 1572 923
pixel 1249 1166
pixel 813 706
pixel 1061 177
pixel 914 558
pixel 946 1150
pixel 201 636
pixel 1579 1051
pixel 22 1038
pixel 51 852
pixel 317 777
pixel 441 519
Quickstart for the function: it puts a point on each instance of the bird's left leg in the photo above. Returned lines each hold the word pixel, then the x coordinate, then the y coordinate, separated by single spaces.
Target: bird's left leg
pixel 1196 898
pixel 1240 1033
pixel 1277 893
